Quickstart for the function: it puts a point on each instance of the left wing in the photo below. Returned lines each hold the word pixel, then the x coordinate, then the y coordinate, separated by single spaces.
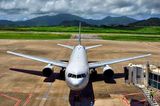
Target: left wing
pixel 107 62
pixel 45 60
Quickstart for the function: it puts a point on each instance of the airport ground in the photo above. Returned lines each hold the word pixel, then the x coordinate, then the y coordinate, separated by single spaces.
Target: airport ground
pixel 21 89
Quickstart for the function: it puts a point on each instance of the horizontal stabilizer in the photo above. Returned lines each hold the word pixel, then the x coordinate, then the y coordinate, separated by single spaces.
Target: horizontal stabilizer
pixel 94 46
pixel 66 46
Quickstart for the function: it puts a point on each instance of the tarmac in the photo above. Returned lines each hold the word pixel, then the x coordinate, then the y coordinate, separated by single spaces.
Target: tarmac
pixel 22 83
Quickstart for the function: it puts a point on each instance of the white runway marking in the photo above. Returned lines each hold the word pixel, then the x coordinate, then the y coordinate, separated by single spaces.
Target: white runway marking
pixel 46 95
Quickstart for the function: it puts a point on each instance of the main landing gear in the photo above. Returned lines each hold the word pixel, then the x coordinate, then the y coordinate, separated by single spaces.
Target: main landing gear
pixel 93 73
pixel 62 74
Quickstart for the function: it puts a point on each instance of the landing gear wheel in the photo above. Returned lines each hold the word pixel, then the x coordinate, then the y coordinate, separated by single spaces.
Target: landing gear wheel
pixel 47 72
pixel 77 98
pixel 93 73
pixel 62 74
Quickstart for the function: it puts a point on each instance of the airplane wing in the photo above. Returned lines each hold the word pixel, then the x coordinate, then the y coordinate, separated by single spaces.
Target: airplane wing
pixel 108 62
pixel 54 62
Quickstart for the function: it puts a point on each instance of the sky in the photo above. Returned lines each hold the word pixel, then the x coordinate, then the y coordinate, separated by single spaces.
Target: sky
pixel 94 9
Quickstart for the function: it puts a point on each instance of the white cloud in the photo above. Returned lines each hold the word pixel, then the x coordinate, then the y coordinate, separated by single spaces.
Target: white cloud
pixel 24 9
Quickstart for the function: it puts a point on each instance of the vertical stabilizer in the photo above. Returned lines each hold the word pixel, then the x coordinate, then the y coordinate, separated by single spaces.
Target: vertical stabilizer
pixel 79 38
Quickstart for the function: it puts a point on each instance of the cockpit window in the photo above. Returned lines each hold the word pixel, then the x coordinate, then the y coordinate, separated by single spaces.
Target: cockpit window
pixel 69 75
pixel 77 76
pixel 73 76
pixel 83 75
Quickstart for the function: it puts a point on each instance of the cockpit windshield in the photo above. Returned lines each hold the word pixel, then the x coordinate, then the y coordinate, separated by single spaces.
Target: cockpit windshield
pixel 77 76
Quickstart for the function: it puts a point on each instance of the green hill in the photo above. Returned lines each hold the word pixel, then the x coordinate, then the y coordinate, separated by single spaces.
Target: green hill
pixel 148 22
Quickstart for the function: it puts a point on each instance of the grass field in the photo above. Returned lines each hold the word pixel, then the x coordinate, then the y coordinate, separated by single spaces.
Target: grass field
pixel 131 37
pixel 40 36
pixel 54 36
pixel 130 30
pixel 151 34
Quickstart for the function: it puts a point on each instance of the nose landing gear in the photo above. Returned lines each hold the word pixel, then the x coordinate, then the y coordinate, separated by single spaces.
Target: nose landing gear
pixel 76 98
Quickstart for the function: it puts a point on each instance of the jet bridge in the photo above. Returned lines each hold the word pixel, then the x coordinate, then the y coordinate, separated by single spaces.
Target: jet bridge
pixel 144 77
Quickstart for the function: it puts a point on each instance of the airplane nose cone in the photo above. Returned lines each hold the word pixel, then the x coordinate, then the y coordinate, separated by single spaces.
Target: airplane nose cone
pixel 76 83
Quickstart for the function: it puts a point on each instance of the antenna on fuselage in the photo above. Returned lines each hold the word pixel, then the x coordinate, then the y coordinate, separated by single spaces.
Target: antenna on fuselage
pixel 79 37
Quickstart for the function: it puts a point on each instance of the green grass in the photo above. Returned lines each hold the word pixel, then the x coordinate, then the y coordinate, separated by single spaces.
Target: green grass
pixel 129 30
pixel 151 34
pixel 40 36
pixel 122 37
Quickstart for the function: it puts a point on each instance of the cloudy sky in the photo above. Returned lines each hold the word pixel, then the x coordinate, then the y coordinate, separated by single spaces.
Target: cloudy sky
pixel 95 9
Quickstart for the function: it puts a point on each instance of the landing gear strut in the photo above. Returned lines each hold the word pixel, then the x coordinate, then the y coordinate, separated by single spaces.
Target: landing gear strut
pixel 93 73
pixel 62 73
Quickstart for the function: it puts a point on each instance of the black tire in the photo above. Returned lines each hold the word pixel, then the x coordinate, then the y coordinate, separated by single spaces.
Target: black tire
pixel 94 73
pixel 47 72
pixel 62 74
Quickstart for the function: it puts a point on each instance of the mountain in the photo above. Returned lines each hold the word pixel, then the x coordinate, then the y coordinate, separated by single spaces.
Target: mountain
pixel 148 22
pixel 49 20
pixel 74 23
pixel 6 23
pixel 117 20
pixel 61 19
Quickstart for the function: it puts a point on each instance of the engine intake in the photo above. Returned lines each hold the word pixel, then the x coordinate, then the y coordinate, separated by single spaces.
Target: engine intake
pixel 48 70
pixel 108 73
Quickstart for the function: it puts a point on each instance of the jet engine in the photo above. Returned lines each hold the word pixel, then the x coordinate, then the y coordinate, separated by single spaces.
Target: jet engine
pixel 48 70
pixel 108 73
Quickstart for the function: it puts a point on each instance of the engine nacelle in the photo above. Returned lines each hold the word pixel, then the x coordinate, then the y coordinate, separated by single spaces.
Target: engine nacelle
pixel 108 73
pixel 48 70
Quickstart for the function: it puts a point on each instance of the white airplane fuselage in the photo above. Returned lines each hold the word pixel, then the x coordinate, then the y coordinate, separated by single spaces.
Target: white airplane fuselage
pixel 77 71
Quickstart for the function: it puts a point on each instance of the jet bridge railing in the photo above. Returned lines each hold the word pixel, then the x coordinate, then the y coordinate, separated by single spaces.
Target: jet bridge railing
pixel 146 93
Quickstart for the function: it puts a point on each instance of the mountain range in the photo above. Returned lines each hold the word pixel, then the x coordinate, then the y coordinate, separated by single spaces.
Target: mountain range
pixel 61 19
pixel 73 20
pixel 148 22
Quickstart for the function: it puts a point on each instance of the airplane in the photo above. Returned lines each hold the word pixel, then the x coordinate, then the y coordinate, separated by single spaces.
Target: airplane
pixel 78 69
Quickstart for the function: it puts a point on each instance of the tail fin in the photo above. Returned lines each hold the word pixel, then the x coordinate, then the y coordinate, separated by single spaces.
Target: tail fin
pixel 79 38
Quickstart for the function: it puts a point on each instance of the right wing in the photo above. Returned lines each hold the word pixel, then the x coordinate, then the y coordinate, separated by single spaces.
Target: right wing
pixel 108 62
pixel 54 62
